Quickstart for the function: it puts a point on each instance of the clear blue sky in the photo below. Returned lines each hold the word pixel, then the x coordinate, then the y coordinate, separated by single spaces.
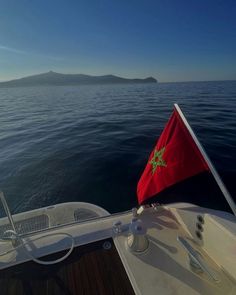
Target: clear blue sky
pixel 170 40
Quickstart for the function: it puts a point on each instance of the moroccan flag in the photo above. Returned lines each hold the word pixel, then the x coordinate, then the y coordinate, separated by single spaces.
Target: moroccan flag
pixel 174 158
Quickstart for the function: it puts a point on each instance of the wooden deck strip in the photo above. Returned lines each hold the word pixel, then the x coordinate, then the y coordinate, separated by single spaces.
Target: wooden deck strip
pixel 90 269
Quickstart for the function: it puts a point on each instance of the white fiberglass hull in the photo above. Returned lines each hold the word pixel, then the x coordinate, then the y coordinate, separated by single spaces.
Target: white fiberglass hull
pixel 163 265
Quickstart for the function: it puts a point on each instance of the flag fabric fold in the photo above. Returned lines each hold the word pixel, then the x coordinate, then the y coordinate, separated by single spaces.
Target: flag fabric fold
pixel 174 158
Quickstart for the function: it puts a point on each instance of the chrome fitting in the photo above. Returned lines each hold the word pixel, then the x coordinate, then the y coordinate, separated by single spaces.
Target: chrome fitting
pixel 137 240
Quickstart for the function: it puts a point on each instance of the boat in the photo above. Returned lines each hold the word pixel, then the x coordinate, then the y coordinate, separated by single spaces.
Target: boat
pixel 80 248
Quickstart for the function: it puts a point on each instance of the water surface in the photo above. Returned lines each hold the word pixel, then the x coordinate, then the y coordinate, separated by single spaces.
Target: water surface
pixel 91 143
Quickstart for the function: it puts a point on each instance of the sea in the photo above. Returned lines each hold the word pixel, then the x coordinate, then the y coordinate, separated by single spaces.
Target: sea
pixel 91 143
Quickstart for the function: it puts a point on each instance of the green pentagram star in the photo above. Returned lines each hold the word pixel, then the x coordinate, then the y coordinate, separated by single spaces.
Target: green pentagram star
pixel 157 160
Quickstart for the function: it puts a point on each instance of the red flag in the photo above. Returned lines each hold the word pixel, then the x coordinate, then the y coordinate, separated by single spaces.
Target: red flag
pixel 174 158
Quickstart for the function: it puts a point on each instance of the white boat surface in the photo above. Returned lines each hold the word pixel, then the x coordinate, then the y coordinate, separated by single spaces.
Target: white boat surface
pixel 170 249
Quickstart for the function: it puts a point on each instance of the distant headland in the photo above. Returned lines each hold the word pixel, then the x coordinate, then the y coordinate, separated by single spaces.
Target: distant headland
pixel 57 79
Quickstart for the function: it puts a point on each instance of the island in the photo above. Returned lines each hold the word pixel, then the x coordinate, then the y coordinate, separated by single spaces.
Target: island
pixel 58 79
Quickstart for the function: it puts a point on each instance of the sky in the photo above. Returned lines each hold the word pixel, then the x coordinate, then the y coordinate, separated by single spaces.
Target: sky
pixel 171 40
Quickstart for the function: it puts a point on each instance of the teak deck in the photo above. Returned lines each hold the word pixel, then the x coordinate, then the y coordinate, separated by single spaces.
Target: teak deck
pixel 90 269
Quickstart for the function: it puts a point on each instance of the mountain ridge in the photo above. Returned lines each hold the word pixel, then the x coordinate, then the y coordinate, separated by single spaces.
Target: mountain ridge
pixel 57 79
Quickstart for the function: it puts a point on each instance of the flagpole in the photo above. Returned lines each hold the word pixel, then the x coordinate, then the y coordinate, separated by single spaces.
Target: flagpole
pixel 208 161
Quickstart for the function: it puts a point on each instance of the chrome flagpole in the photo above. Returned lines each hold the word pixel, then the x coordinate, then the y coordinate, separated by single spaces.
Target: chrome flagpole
pixel 208 161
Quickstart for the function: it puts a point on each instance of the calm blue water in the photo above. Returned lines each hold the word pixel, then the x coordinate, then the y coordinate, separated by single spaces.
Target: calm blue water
pixel 91 143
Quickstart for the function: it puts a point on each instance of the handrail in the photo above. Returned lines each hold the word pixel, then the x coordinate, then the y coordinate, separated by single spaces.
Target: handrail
pixel 73 223
pixel 6 208
pixel 18 241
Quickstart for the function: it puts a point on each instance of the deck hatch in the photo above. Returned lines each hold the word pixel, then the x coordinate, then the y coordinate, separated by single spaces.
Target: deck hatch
pixel 27 225
pixel 82 214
